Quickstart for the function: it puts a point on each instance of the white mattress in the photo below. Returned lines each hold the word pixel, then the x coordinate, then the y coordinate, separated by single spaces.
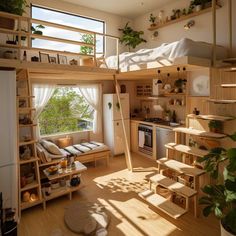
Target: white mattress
pixel 169 52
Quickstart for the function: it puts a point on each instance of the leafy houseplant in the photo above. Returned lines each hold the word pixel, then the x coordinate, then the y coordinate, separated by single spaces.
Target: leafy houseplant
pixel 220 198
pixel 130 37
pixel 86 50
pixel 215 126
pixel 16 7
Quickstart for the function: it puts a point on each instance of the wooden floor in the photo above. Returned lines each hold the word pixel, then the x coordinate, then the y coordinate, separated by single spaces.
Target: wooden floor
pixel 117 189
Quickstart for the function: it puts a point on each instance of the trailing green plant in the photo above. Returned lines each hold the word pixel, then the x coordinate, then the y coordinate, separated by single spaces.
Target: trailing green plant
pixel 89 39
pixel 130 37
pixel 13 6
pixel 220 198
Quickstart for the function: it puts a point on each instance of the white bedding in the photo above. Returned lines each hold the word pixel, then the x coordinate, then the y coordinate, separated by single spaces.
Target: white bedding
pixel 169 52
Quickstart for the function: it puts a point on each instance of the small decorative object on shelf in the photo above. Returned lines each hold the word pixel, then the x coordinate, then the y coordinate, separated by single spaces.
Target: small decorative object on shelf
pixel 152 19
pixel 161 17
pixel 73 62
pixel 196 111
pixel 75 181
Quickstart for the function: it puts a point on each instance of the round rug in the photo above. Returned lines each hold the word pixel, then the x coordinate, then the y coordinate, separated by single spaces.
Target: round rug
pixel 87 218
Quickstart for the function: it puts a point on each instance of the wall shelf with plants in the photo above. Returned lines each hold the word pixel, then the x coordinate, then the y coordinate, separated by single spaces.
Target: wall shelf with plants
pixel 181 18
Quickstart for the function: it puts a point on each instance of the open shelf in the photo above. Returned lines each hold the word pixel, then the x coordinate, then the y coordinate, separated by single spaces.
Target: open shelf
pixel 25 205
pixel 211 117
pixel 186 149
pixel 180 167
pixel 32 185
pixel 162 204
pixel 222 101
pixel 27 142
pixel 25 110
pixel 27 125
pixel 182 18
pixel 228 85
pixel 32 159
pixel 172 185
pixel 199 133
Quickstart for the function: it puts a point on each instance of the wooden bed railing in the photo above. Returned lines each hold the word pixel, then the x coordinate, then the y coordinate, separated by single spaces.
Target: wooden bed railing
pixel 23 22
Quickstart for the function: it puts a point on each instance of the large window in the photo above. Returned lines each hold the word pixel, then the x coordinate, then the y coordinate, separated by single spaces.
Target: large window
pixel 66 111
pixel 69 20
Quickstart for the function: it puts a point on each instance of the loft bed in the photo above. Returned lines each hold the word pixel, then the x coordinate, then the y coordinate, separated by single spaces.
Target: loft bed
pixel 136 65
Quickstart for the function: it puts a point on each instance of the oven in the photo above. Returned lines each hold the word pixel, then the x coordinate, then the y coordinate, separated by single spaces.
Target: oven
pixel 145 139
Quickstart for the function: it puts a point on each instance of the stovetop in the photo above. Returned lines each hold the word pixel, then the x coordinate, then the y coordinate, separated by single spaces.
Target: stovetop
pixel 158 121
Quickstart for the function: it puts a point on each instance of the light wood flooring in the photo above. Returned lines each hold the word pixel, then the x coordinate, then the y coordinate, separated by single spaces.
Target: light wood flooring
pixel 117 189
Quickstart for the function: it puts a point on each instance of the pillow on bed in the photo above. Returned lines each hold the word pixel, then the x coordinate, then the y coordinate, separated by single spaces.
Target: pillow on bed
pixel 51 147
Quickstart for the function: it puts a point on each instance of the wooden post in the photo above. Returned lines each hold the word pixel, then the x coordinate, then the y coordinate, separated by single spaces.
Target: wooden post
pixel 230 28
pixel 126 144
pixel 117 53
pixel 214 32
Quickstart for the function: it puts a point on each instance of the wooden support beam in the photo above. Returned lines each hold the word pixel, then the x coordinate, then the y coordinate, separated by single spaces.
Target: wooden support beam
pixel 126 143
pixel 230 28
pixel 214 32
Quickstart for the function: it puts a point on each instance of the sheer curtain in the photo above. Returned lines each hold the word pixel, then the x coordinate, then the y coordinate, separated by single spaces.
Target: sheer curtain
pixel 42 93
pixel 93 95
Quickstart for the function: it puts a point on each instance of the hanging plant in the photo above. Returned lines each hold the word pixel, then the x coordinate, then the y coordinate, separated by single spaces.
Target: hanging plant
pixel 130 37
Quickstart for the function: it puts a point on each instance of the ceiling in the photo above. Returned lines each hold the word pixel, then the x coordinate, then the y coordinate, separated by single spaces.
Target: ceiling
pixel 125 8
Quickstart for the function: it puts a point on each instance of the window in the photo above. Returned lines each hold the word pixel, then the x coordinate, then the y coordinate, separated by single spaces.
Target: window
pixel 66 111
pixel 69 20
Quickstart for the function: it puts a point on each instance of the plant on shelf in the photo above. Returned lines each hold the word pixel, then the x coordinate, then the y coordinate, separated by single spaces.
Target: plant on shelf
pixel 215 126
pixel 220 198
pixel 16 7
pixel 86 50
pixel 89 39
pixel 152 19
pixel 130 37
pixel 37 29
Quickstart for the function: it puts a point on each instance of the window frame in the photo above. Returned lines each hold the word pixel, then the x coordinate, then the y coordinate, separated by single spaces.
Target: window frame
pixel 66 132
pixel 76 15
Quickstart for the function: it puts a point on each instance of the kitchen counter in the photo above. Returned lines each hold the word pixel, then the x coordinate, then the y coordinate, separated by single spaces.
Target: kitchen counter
pixel 141 121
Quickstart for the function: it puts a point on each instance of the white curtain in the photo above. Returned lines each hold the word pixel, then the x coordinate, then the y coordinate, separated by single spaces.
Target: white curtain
pixel 93 95
pixel 42 93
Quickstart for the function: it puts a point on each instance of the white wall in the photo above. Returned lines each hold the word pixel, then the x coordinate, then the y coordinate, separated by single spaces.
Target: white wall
pixel 113 22
pixel 8 156
pixel 202 30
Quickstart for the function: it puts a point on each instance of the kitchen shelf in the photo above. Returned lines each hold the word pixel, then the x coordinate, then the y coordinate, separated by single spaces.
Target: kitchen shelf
pixel 211 117
pixel 25 97
pixel 25 110
pixel 228 85
pixel 182 18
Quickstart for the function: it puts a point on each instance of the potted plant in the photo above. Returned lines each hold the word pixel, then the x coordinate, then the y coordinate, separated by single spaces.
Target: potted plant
pixel 86 50
pixel 130 37
pixel 215 126
pixel 220 198
pixel 16 7
pixel 197 4
pixel 152 19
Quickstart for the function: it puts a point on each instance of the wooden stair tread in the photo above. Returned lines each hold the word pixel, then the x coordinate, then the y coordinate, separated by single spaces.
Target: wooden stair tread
pixel 180 167
pixel 162 204
pixel 186 149
pixel 199 133
pixel 172 185
pixel 211 117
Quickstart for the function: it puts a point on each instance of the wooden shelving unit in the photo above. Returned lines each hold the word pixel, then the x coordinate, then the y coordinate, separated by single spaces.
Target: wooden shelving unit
pixel 211 117
pixel 29 193
pixel 62 174
pixel 182 18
